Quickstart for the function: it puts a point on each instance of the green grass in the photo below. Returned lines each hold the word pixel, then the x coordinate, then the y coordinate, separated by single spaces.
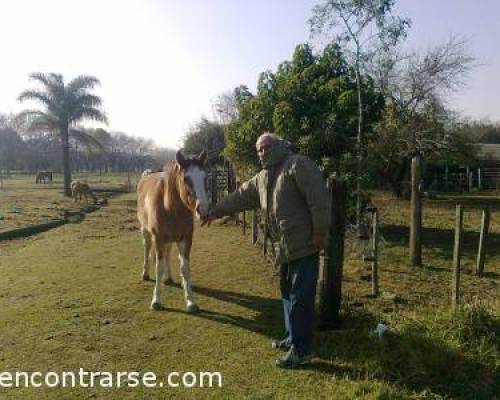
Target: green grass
pixel 72 298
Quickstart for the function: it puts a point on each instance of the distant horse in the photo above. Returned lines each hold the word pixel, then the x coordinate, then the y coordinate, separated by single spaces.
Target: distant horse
pixel 166 202
pixel 79 189
pixel 43 176
pixel 150 171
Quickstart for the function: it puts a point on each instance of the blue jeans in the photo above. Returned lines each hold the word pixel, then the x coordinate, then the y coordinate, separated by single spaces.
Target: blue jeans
pixel 298 281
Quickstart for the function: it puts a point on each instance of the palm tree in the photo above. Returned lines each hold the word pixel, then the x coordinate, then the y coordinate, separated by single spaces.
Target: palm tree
pixel 64 105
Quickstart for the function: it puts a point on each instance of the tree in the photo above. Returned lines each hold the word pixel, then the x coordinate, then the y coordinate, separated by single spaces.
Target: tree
pixel 205 135
pixel 12 150
pixel 415 120
pixel 310 101
pixel 363 27
pixel 63 105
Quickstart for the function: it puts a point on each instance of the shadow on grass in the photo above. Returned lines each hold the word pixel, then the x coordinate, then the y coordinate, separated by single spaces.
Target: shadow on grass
pixel 268 320
pixel 410 359
pixel 441 239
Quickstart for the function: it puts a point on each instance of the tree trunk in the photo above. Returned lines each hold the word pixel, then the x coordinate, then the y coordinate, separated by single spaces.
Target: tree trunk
pixel 330 285
pixel 416 214
pixel 66 161
pixel 359 146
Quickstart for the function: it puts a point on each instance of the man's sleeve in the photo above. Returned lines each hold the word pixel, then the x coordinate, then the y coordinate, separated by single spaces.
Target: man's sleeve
pixel 311 184
pixel 245 198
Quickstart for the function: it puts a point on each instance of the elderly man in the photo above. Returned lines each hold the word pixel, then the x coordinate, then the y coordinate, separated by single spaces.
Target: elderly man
pixel 292 193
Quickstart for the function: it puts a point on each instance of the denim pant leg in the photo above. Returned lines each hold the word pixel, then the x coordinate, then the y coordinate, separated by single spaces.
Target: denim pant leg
pixel 285 296
pixel 299 279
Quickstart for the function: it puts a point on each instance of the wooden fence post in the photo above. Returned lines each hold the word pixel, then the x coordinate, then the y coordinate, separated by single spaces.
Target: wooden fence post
pixel 214 184
pixel 330 286
pixel 244 223
pixel 483 237
pixel 264 241
pixel 255 227
pixel 375 234
pixel 455 289
pixel 416 214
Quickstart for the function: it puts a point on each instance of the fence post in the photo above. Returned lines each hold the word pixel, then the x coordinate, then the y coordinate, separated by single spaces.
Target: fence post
pixel 330 286
pixel 214 189
pixel 244 224
pixel 264 241
pixel 375 289
pixel 483 237
pixel 455 290
pixel 255 228
pixel 416 214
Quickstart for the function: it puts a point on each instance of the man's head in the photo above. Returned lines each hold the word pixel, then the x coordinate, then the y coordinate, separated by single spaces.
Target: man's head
pixel 264 145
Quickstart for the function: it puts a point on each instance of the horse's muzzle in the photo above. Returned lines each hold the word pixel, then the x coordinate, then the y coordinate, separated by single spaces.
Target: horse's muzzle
pixel 201 210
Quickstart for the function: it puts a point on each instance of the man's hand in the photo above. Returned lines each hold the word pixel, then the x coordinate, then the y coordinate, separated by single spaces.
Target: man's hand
pixel 207 220
pixel 320 242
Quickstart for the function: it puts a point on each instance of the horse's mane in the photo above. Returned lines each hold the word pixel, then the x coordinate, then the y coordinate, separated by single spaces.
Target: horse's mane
pixel 171 196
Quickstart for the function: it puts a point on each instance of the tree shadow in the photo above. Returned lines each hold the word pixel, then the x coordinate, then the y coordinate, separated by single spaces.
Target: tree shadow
pixel 442 240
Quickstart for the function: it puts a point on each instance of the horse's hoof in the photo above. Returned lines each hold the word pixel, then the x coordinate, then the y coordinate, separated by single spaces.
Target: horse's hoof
pixel 145 277
pixel 193 308
pixel 168 281
pixel 155 306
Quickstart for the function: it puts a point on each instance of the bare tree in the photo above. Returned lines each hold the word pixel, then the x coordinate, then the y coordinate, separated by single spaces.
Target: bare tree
pixel 363 27
pixel 416 87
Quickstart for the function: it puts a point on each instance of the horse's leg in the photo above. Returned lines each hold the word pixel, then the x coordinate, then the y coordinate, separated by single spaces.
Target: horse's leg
pixel 146 241
pixel 184 248
pixel 160 266
pixel 167 273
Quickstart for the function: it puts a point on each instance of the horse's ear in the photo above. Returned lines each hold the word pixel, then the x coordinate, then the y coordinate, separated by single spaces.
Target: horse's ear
pixel 202 157
pixel 180 159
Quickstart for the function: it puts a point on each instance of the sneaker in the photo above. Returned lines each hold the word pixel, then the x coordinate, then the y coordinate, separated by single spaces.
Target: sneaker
pixel 292 359
pixel 283 344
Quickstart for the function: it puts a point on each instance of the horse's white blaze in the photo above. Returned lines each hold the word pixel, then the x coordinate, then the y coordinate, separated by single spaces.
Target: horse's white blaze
pixel 197 177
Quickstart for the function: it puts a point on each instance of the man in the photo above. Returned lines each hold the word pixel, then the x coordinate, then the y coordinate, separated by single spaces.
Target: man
pixel 292 193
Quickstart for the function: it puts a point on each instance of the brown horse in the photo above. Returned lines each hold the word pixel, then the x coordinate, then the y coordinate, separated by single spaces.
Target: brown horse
pixel 166 202
pixel 43 177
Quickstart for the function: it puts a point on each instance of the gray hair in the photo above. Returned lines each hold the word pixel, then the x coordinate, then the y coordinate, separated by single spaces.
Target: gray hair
pixel 270 135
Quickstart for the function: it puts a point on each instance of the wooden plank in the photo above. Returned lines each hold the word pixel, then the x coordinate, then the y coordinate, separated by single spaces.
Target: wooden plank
pixel 483 237
pixel 455 289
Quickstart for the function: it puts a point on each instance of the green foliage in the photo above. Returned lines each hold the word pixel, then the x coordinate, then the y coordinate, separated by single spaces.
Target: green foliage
pixel 310 101
pixel 481 131
pixel 205 135
pixel 62 106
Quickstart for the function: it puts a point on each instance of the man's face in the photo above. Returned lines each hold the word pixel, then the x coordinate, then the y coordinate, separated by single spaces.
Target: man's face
pixel 263 147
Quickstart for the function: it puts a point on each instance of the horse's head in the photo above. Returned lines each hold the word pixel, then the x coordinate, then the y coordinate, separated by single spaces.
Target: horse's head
pixel 191 182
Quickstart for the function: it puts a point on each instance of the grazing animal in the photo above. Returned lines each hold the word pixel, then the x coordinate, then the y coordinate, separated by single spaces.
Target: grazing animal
pixel 79 189
pixel 43 177
pixel 166 202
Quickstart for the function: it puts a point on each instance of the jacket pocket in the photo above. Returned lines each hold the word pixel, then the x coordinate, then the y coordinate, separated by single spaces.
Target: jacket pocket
pixel 295 237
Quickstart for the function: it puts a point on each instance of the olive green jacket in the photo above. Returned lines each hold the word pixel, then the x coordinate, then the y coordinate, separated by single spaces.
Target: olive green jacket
pixel 297 202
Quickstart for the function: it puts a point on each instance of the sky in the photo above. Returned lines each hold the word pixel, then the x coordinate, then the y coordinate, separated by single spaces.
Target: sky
pixel 162 63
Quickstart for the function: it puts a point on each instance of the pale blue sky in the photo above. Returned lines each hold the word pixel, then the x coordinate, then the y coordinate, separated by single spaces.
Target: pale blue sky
pixel 162 63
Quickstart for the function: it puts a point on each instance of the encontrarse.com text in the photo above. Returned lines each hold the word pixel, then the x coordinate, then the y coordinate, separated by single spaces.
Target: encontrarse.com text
pixel 91 379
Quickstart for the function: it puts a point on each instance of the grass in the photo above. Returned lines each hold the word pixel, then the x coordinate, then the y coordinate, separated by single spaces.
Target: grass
pixel 72 298
pixel 22 202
